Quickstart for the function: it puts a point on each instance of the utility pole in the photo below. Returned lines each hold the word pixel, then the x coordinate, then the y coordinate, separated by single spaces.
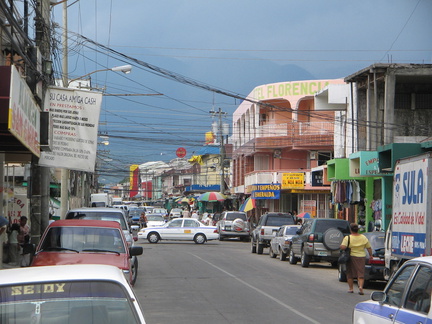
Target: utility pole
pixel 220 134
pixel 64 195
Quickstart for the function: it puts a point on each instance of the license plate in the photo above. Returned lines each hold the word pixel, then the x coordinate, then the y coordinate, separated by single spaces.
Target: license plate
pixel 323 253
pixel 227 228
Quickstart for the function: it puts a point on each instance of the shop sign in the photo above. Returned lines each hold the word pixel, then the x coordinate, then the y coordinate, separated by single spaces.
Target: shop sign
pixel 309 206
pixel 75 117
pixel 266 191
pixel 317 178
pixel 293 180
pixel 24 113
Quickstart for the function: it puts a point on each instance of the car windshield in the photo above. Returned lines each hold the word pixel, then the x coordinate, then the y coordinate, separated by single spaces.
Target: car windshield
pixel 291 230
pixel 322 226
pixel 111 216
pixel 280 220
pixel 232 216
pixel 81 239
pixel 155 218
pixel 66 302
pixel 135 212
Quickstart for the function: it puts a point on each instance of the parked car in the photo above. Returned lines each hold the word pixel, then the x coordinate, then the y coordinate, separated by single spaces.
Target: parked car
pixel 280 244
pixel 113 214
pixel 155 220
pixel 180 229
pixel 78 293
pixel 233 224
pixel 317 240
pixel 405 299
pixel 175 213
pixel 375 265
pixel 263 232
pixel 216 218
pixel 75 241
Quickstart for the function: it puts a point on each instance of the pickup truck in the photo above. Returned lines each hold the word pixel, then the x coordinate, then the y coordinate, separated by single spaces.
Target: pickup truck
pixel 268 224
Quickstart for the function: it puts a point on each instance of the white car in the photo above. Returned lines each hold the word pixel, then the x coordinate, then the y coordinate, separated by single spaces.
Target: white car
pixel 78 293
pixel 175 213
pixel 155 220
pixel 180 229
pixel 405 299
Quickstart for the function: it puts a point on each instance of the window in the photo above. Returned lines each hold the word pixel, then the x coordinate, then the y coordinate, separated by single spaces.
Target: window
pixel 190 223
pixel 397 288
pixel 419 294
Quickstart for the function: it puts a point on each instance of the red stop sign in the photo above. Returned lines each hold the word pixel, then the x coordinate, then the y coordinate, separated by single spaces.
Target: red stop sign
pixel 181 152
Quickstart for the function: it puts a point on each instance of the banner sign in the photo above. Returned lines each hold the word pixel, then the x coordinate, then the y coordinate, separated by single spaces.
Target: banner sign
pixel 266 191
pixel 134 180
pixel 293 180
pixel 24 113
pixel 75 117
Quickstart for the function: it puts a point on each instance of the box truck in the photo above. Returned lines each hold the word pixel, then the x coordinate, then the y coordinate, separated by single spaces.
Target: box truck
pixel 409 234
pixel 100 200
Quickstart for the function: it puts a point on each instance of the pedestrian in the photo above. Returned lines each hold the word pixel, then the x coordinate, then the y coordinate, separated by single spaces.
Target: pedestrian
pixel 143 220
pixel 355 267
pixel 186 213
pixel 50 219
pixel 14 247
pixel 24 242
pixel 195 214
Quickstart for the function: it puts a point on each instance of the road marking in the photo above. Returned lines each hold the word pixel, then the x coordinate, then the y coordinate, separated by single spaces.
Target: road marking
pixel 260 291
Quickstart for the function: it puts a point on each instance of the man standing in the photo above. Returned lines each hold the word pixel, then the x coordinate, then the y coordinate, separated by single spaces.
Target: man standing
pixel 24 241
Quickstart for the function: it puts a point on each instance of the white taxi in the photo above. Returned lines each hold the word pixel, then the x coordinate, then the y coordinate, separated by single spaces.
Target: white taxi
pixel 180 229
pixel 76 294
pixel 405 299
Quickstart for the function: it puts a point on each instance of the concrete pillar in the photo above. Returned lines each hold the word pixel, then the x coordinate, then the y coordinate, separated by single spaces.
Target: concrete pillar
pixel 389 103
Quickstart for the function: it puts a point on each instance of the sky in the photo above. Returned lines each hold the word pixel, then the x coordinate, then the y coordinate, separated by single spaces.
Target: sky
pixel 190 57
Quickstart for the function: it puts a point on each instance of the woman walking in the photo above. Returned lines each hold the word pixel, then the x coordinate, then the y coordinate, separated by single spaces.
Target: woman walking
pixel 355 267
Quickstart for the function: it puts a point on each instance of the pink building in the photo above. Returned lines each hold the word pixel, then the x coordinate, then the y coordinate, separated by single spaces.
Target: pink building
pixel 282 139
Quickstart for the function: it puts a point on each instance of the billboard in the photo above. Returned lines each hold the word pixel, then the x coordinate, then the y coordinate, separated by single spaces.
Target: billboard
pixel 75 120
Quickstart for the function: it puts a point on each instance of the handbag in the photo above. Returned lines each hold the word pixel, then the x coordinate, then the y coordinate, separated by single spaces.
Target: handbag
pixel 344 255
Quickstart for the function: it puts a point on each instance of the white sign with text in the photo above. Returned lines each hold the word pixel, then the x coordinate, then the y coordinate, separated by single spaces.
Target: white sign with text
pixel 75 117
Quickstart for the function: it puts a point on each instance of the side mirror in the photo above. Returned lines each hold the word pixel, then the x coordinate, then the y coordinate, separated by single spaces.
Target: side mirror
pixel 379 296
pixel 135 250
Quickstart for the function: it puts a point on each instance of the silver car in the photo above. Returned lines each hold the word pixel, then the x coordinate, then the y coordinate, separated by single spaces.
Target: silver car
pixel 280 244
pixel 233 224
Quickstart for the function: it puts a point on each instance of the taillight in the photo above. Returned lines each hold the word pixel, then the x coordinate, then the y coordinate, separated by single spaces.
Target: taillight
pixel 215 231
pixel 262 231
pixel 311 237
pixel 376 261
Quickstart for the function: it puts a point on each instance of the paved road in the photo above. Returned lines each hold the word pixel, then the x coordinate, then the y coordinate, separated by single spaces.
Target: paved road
pixel 222 282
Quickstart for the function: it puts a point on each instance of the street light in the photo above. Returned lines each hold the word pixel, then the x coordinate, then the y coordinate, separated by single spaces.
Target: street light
pixel 123 68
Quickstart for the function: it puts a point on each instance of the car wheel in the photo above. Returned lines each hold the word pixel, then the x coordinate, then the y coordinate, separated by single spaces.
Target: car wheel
pixel 253 246
pixel 260 248
pixel 305 259
pixel 282 255
pixel 341 273
pixel 200 239
pixel 134 269
pixel 153 237
pixel 271 253
pixel 292 258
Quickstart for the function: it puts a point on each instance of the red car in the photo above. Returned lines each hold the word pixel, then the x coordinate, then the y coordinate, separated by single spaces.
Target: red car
pixel 78 241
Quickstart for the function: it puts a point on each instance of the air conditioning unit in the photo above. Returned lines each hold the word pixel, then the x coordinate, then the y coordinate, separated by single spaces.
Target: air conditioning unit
pixel 313 155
